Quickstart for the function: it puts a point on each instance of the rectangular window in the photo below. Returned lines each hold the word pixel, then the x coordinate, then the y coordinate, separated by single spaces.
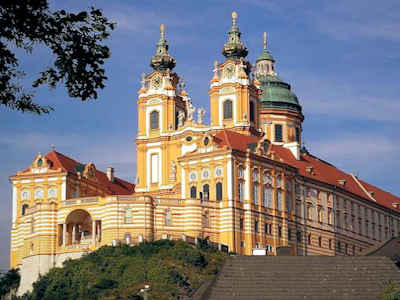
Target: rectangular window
pixel 268 228
pixel 288 201
pixel 255 193
pixel 298 236
pixel 297 134
pixel 241 191
pixel 279 200
pixel 256 226
pixel 154 168
pixel 330 216
pixel 289 235
pixel 267 197
pixel 278 133
pixel 241 223
pixel 279 231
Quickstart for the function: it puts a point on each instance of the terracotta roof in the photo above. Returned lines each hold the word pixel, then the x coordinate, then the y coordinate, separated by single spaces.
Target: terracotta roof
pixel 67 164
pixel 320 170
pixel 236 140
pixel 326 172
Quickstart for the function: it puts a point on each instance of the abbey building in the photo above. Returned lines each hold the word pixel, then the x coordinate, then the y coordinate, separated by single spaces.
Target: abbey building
pixel 243 180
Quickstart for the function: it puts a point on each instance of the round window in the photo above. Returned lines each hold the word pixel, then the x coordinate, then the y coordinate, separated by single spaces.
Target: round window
pixel 218 172
pixel 188 139
pixel 193 176
pixel 52 193
pixel 206 141
pixel 206 174
pixel 40 162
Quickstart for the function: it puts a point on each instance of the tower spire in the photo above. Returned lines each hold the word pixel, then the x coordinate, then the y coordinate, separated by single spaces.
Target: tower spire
pixel 234 48
pixel 265 41
pixel 162 61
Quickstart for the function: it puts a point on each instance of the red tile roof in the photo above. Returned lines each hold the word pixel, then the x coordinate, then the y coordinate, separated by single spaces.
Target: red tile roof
pixel 236 140
pixel 67 164
pixel 321 170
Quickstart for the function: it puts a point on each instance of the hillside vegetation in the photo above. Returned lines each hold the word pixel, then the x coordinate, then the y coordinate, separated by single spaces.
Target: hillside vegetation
pixel 172 269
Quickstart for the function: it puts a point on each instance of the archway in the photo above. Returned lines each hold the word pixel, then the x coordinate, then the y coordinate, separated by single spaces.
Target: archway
pixel 79 228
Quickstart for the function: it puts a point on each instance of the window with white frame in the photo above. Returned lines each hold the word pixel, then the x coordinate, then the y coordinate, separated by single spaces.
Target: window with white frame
pixel 128 216
pixel 255 193
pixel 39 194
pixel 241 191
pixel 267 196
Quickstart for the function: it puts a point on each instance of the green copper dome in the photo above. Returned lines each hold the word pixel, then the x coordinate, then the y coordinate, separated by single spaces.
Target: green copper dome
pixel 265 55
pixel 277 94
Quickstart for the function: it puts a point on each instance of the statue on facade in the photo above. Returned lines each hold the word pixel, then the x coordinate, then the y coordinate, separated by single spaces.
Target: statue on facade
pixel 181 118
pixel 190 110
pixel 173 170
pixel 200 114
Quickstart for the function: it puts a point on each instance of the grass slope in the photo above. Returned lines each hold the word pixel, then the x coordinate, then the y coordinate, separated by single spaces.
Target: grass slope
pixel 173 269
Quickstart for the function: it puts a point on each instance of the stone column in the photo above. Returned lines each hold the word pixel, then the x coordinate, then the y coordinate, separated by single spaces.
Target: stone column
pixel 93 231
pixel 64 234
pixel 73 233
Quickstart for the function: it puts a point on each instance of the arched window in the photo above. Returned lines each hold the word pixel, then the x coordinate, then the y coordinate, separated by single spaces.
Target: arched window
pixel 193 192
pixel 228 111
pixel 206 191
pixel 252 111
pixel 128 216
pixel 168 217
pixel 309 238
pixel 320 242
pixel 24 208
pixel 154 119
pixel 218 191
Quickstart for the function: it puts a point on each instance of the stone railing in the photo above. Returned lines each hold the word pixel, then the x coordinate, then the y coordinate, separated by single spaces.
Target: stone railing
pixel 79 201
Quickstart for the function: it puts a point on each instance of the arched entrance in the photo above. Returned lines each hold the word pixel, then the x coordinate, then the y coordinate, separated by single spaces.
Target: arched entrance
pixel 80 229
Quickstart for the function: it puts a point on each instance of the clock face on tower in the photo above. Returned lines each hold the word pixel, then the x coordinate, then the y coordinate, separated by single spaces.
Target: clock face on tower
pixel 229 71
pixel 156 82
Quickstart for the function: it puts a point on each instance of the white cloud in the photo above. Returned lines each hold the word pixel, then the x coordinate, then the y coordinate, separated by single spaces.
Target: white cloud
pixel 367 155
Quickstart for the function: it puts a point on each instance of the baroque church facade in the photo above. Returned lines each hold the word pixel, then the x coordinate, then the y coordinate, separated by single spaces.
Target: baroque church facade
pixel 243 180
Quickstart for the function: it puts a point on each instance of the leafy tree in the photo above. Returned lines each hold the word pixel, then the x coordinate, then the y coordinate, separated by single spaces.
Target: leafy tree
pixel 9 282
pixel 173 269
pixel 75 40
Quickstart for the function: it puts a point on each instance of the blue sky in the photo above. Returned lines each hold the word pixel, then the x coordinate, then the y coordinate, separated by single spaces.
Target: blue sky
pixel 341 57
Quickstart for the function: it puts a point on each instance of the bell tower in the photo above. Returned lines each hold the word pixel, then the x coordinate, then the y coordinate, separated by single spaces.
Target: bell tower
pixel 233 96
pixel 280 112
pixel 159 104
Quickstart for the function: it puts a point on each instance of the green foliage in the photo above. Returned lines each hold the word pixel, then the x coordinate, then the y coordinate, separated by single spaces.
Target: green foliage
pixel 75 40
pixel 9 282
pixel 173 269
pixel 391 291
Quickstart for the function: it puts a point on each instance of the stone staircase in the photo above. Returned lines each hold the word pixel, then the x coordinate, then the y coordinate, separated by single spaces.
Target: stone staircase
pixel 311 277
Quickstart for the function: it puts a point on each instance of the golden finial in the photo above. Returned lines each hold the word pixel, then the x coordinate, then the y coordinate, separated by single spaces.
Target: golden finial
pixel 234 17
pixel 265 40
pixel 162 30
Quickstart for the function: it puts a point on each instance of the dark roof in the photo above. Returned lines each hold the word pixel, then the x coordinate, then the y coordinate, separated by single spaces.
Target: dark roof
pixel 67 164
pixel 302 277
pixel 389 248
